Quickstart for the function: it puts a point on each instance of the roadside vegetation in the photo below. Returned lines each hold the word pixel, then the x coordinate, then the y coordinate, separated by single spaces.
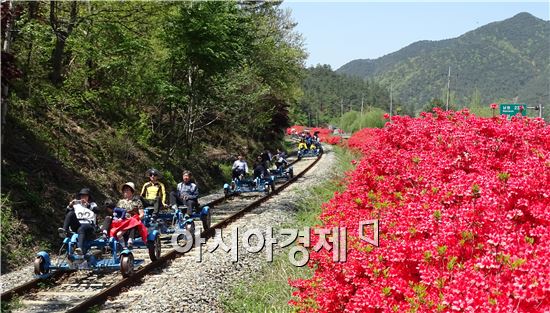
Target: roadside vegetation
pixel 271 291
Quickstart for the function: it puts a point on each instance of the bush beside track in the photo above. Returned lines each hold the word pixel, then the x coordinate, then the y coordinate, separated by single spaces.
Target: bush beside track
pixel 464 223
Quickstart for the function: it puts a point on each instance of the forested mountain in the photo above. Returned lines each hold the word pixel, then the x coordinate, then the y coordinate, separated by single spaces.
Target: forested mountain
pixel 96 92
pixel 498 61
pixel 328 95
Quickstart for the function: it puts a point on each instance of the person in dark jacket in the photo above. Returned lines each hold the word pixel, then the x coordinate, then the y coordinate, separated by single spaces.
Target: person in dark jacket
pixel 266 158
pixel 186 193
pixel 260 169
pixel 280 159
pixel 80 218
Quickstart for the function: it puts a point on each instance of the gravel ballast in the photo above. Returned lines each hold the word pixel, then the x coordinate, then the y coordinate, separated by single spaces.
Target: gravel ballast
pixel 186 285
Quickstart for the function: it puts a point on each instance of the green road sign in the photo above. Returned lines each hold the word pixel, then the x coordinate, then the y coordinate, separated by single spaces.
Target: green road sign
pixel 511 109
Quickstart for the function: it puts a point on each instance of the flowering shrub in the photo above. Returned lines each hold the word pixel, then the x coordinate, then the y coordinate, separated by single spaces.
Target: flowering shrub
pixel 331 140
pixel 464 210
pixel 364 138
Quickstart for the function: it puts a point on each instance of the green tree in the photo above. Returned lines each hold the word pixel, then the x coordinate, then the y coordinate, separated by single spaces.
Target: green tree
pixel 327 95
pixel 434 103
pixel 110 88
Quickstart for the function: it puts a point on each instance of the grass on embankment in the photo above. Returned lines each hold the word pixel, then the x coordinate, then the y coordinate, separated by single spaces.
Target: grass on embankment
pixel 268 290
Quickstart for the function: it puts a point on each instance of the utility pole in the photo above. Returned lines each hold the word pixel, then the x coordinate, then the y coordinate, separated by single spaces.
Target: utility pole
pixel 391 100
pixel 448 89
pixel 341 107
pixel 361 105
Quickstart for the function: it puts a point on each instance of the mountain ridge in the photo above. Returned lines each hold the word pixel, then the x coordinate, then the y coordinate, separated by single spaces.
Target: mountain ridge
pixel 502 59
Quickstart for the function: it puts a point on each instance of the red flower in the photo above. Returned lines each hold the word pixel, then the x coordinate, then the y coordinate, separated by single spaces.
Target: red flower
pixel 493 106
pixel 464 222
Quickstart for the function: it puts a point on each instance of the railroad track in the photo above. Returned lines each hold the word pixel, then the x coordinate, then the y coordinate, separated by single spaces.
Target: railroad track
pixel 62 291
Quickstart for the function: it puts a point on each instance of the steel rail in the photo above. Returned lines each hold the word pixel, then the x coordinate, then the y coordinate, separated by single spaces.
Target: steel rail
pixel 32 284
pixel 115 289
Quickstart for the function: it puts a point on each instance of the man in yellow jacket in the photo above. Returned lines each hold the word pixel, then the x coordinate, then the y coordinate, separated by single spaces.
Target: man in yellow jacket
pixel 302 145
pixel 153 192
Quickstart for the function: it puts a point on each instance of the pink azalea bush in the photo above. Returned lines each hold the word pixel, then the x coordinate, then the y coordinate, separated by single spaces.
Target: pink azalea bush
pixel 464 210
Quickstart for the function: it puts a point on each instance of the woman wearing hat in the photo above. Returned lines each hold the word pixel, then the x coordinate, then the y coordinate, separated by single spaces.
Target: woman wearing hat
pixel 134 214
pixel 80 218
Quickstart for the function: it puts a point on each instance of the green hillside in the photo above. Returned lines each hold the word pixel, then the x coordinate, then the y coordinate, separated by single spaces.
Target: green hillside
pixel 328 96
pixel 502 60
pixel 96 92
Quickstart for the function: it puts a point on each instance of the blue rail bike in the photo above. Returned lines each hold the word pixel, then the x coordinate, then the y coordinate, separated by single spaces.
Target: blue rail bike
pixel 239 185
pixel 314 151
pixel 96 258
pixel 102 253
pixel 177 221
pixel 282 172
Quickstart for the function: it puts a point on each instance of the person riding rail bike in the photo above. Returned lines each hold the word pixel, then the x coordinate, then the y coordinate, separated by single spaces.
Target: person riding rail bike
pixel 131 223
pixel 81 218
pixel 153 192
pixel 187 193
pixel 240 167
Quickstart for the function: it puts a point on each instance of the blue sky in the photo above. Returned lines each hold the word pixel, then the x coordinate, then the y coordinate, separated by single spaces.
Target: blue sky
pixel 338 32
